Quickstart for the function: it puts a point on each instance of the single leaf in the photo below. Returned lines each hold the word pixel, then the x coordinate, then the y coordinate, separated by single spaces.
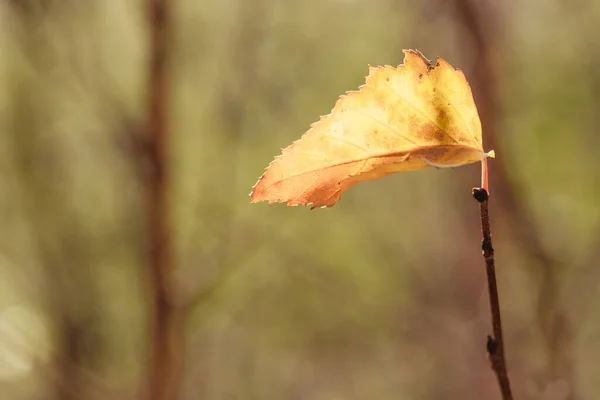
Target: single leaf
pixel 407 118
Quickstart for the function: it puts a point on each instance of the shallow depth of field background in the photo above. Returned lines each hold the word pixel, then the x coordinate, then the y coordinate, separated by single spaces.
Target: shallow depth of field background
pixel 382 296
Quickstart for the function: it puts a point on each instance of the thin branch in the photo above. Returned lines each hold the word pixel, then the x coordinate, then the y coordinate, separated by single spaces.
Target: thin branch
pixel 167 325
pixel 495 343
pixel 482 26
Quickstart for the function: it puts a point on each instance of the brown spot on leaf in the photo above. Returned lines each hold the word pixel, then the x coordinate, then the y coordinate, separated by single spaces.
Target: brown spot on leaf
pixel 428 132
pixel 442 116
pixel 431 133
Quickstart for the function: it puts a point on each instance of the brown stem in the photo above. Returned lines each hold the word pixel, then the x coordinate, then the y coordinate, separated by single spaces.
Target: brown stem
pixel 483 26
pixel 167 330
pixel 495 343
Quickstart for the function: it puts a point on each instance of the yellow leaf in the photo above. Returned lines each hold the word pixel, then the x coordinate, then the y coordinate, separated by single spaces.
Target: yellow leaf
pixel 402 119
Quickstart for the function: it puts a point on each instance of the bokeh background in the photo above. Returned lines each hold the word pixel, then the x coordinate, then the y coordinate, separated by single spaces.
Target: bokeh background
pixel 382 296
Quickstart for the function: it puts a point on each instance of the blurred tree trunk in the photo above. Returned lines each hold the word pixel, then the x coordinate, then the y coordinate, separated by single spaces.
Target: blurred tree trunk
pixel 167 324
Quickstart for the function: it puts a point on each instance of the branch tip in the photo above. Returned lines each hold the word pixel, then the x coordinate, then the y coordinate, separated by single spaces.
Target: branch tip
pixel 480 194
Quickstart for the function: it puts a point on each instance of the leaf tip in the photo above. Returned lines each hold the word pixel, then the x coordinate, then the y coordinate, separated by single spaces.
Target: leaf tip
pixel 416 54
pixel 257 194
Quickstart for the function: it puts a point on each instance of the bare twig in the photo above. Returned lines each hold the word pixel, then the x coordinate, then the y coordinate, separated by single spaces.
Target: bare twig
pixel 168 336
pixel 481 25
pixel 495 343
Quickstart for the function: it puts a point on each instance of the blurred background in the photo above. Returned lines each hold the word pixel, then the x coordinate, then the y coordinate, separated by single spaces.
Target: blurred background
pixel 382 296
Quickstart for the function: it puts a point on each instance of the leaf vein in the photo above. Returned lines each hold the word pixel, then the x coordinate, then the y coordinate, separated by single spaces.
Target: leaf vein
pixel 391 128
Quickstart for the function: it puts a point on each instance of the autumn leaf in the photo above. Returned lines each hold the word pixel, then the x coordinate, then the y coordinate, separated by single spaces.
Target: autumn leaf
pixel 415 116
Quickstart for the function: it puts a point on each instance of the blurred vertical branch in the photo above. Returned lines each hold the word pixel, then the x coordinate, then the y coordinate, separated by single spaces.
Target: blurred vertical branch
pixel 167 325
pixel 50 250
pixel 481 28
pixel 57 240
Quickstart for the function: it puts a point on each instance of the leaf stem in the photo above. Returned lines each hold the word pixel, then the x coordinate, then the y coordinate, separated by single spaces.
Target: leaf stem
pixel 495 343
pixel 484 175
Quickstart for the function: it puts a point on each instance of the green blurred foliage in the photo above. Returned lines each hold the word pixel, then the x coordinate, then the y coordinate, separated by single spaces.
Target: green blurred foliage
pixel 382 296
